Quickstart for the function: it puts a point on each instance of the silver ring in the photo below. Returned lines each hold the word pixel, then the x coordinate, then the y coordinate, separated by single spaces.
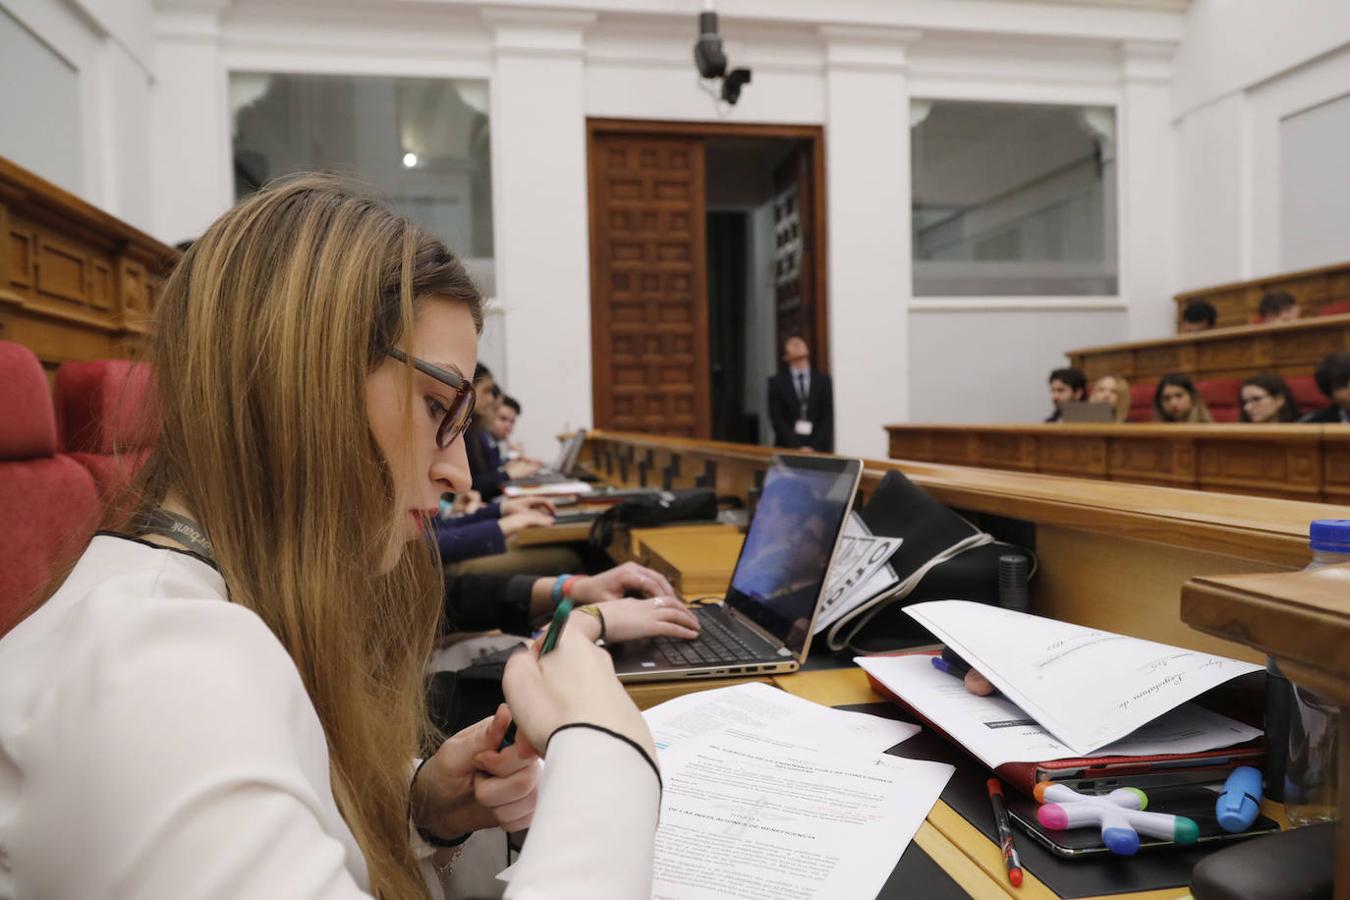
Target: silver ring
pixel 656 602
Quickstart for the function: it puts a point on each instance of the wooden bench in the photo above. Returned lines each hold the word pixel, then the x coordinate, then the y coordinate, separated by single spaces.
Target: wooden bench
pixel 1295 462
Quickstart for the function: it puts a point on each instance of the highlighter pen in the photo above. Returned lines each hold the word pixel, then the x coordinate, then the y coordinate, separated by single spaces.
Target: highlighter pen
pixel 555 630
pixel 1005 835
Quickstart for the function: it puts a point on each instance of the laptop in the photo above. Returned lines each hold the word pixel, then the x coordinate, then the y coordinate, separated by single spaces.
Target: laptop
pixel 560 469
pixel 764 624
pixel 1085 412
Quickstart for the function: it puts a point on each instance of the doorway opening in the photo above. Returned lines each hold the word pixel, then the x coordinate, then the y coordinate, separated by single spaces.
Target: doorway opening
pixel 707 252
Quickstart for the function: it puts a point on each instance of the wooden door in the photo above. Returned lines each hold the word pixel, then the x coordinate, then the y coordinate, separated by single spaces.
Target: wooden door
pixel 798 268
pixel 649 308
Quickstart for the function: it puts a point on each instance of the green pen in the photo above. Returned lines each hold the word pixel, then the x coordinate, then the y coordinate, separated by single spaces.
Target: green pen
pixel 555 630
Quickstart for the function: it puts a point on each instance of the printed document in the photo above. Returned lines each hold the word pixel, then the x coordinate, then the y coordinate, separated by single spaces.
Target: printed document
pixel 859 571
pixel 768 796
pixel 759 713
pixel 1086 687
pixel 996 731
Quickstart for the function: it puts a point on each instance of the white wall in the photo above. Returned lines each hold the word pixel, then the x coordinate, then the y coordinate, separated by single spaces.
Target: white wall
pixel 1244 67
pixel 848 65
pixel 1006 356
pixel 91 134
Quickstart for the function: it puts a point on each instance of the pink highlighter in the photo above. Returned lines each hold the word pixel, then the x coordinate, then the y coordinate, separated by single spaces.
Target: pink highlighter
pixel 1120 814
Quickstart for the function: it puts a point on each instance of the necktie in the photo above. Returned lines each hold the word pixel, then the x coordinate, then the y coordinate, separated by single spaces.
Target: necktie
pixel 801 391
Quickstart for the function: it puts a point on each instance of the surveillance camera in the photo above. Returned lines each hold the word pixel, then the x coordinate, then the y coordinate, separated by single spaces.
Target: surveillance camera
pixel 708 55
pixel 732 84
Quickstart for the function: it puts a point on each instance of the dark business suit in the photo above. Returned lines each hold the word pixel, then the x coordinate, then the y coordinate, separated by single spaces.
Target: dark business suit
pixel 785 408
pixel 484 462
pixel 1331 415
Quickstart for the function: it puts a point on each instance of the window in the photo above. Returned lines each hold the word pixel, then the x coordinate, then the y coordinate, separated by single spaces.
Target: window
pixel 422 143
pixel 1013 199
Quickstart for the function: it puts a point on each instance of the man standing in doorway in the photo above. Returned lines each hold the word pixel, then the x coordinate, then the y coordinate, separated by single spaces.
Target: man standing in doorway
pixel 801 402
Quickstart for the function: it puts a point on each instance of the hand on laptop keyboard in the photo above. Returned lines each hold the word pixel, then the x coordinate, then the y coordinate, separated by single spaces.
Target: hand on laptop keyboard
pixel 630 620
pixel 627 580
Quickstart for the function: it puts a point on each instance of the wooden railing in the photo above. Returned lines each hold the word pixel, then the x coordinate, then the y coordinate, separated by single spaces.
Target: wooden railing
pixel 1112 555
pixel 1289 348
pixel 1296 462
pixel 1236 303
pixel 75 282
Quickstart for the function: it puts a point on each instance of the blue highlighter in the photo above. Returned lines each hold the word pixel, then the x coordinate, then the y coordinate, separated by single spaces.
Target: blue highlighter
pixel 1239 802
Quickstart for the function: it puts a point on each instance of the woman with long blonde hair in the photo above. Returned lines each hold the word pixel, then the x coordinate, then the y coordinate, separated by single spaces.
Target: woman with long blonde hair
pixel 224 696
pixel 1115 390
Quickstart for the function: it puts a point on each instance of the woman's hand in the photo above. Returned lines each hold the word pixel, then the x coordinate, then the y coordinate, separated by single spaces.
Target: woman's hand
pixel 574 683
pixel 468 785
pixel 527 504
pixel 520 521
pixel 631 620
pixel 467 503
pixel 521 468
pixel 627 580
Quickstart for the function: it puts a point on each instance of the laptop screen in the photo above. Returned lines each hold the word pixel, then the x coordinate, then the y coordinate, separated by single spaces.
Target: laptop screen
pixel 786 556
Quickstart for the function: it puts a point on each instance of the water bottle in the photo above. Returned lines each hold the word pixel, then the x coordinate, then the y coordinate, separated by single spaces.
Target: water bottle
pixel 1313 721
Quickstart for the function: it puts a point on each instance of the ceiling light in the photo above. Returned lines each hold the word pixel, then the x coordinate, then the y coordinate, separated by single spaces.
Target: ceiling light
pixel 409 160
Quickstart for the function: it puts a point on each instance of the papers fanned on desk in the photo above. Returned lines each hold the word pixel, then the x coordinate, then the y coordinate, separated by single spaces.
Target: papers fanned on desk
pixel 770 796
pixel 1066 690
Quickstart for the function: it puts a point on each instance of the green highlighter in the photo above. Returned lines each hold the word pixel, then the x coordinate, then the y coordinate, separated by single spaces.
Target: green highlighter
pixel 555 630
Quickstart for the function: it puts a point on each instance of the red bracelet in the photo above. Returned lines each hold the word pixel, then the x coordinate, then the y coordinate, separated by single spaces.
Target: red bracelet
pixel 567 585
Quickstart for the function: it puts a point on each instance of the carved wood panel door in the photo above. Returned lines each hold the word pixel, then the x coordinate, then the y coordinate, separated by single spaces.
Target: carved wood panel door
pixel 796 249
pixel 649 306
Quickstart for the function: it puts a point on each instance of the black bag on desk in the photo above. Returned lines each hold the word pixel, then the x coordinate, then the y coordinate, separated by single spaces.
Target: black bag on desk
pixel 657 508
pixel 942 557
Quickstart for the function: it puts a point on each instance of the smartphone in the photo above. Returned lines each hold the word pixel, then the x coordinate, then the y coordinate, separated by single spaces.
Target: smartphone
pixel 1192 801
pixel 555 630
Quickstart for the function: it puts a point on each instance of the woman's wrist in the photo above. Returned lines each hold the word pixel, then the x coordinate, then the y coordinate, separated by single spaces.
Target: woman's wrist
pixel 416 810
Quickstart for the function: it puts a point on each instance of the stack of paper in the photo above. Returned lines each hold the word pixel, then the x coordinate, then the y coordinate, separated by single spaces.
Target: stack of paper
pixel 770 796
pixel 1067 691
pixel 860 571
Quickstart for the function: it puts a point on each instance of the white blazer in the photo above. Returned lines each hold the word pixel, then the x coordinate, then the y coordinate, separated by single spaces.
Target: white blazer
pixel 156 741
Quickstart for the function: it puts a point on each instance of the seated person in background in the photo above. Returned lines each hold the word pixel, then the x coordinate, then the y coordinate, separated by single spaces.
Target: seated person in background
pixel 484 531
pixel 490 472
pixel 503 423
pixel 1266 398
pixel 1199 315
pixel 1333 380
pixel 1277 306
pixel 1176 400
pixel 1114 390
pixel 1065 385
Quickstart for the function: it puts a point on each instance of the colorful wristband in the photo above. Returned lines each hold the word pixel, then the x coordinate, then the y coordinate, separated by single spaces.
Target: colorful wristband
pixel 570 583
pixel 558 584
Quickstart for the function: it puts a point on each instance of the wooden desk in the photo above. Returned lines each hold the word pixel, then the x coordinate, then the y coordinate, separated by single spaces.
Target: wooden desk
pixel 1112 555
pixel 1302 619
pixel 1295 462
pixel 968 857
pixel 75 282
pixel 1236 303
pixel 1290 348
pixel 697 561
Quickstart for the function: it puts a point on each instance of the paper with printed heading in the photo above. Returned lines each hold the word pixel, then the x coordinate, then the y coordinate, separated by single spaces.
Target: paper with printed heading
pixel 1086 687
pixel 859 570
pixel 996 731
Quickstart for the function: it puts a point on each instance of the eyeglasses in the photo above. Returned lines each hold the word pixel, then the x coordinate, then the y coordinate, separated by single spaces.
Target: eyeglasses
pixel 461 407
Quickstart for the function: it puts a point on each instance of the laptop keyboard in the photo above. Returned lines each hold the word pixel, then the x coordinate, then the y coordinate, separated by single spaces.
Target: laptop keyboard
pixel 716 643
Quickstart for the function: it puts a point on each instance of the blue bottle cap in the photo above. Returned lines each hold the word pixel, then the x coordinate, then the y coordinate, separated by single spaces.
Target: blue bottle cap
pixel 1240 800
pixel 1330 535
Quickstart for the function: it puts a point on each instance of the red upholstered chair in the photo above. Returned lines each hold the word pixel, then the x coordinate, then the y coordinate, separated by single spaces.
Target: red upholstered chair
pixel 1306 395
pixel 1141 403
pixel 48 504
pixel 106 418
pixel 1335 309
pixel 1221 396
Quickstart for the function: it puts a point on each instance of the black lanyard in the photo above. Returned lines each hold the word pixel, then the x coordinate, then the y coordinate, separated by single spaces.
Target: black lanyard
pixel 178 528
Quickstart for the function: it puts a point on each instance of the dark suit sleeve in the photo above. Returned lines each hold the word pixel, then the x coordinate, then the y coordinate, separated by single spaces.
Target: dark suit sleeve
pixel 780 416
pixel 822 436
pixel 487 478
